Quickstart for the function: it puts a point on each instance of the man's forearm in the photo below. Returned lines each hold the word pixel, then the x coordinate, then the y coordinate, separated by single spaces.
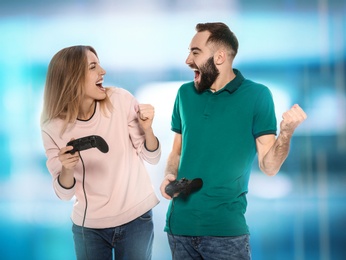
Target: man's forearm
pixel 271 162
pixel 276 155
pixel 172 164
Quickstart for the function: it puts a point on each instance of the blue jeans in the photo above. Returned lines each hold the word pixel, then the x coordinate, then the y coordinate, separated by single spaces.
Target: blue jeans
pixel 131 241
pixel 208 247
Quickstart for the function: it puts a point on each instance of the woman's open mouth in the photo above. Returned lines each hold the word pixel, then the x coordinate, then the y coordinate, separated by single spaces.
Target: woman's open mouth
pixel 99 85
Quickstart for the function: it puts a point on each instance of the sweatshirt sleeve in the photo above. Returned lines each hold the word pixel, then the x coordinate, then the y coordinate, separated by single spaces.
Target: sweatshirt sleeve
pixel 54 167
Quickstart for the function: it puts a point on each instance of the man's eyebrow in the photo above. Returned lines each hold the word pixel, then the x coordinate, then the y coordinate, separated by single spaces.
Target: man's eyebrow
pixel 195 49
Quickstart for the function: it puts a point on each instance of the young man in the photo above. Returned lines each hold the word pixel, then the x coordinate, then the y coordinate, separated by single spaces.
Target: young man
pixel 221 120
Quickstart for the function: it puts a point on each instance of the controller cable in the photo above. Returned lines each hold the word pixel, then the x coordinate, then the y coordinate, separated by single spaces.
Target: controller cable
pixel 170 230
pixel 86 203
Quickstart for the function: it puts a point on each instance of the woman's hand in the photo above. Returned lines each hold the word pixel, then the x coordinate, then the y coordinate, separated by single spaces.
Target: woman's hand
pixel 145 114
pixel 68 162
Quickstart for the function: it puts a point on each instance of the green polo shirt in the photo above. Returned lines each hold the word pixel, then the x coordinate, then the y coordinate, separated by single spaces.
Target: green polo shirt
pixel 218 145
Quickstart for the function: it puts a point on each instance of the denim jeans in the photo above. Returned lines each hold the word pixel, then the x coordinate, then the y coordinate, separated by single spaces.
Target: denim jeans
pixel 208 247
pixel 131 241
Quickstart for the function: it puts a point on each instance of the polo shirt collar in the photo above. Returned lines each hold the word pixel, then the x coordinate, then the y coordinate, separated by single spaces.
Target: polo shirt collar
pixel 235 83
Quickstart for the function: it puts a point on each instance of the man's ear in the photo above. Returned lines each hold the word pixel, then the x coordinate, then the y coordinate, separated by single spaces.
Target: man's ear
pixel 220 57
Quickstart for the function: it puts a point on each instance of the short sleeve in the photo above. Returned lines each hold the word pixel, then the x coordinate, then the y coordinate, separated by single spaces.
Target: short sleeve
pixel 264 120
pixel 176 117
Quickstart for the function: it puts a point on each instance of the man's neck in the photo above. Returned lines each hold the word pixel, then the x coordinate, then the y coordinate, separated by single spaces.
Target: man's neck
pixel 222 80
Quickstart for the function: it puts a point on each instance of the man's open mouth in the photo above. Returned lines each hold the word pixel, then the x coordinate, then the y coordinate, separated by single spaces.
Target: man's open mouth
pixel 197 74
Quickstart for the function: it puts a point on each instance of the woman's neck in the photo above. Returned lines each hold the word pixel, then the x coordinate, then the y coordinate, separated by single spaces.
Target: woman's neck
pixel 86 111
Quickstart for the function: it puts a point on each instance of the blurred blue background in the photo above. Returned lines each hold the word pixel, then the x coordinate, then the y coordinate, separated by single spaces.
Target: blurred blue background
pixel 297 48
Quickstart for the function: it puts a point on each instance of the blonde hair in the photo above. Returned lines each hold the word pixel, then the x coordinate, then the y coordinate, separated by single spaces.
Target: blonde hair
pixel 64 88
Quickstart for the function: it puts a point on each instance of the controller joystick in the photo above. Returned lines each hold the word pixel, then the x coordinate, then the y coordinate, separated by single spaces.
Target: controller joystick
pixel 183 186
pixel 88 142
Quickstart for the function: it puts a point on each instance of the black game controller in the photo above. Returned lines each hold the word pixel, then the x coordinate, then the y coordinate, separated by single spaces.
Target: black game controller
pixel 88 142
pixel 183 186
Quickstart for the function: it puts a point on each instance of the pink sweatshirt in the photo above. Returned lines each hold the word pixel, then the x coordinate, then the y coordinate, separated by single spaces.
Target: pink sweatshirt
pixel 117 183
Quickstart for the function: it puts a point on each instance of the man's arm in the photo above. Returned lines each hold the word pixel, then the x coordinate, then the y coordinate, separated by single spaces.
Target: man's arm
pixel 172 165
pixel 273 152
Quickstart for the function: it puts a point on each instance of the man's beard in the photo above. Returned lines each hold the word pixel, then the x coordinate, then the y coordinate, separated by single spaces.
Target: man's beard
pixel 209 74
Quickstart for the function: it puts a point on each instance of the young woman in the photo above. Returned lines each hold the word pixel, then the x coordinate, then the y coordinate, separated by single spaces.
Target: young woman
pixel 112 189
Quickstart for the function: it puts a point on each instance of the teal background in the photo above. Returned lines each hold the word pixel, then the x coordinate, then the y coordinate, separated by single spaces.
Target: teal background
pixel 296 48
